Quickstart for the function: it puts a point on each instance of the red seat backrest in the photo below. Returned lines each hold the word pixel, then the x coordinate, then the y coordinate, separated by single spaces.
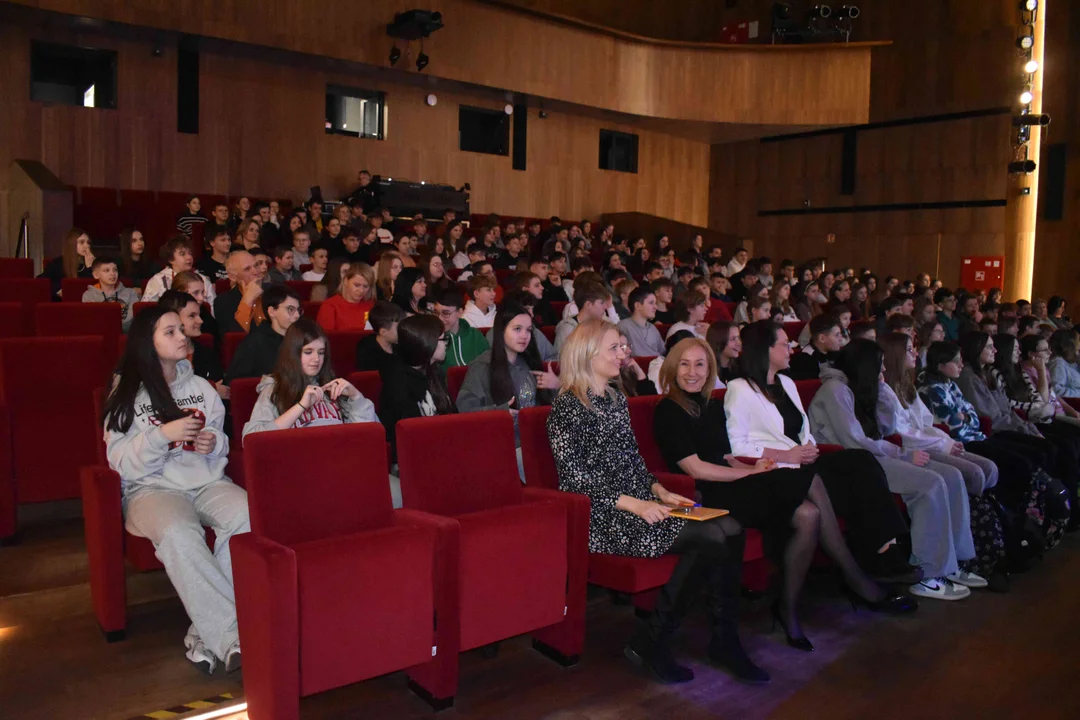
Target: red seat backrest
pixel 77 319
pixel 443 472
pixel 242 398
pixel 343 349
pixel 641 419
pixel 12 323
pixel 311 308
pixel 792 330
pixel 222 286
pixel 369 384
pixel 48 385
pixel 229 344
pixel 72 289
pixel 549 332
pixel 455 376
pixel 540 469
pixel 643 362
pixel 302 288
pixel 559 307
pixel 16 268
pixel 28 291
pixel 345 486
pixel 663 328
pixel 807 389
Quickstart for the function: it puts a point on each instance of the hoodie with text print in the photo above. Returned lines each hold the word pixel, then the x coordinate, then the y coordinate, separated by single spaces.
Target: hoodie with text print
pixel 323 412
pixel 145 458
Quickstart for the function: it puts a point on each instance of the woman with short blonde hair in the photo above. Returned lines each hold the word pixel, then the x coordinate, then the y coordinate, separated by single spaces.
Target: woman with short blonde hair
pixel 597 455
pixel 349 308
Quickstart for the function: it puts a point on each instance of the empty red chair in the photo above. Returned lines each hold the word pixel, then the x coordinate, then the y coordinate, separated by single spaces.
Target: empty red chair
pixel 29 292
pixel 74 319
pixel 523 549
pixel 12 323
pixel 72 289
pixel 455 377
pixel 334 586
pixel 302 288
pixel 343 349
pixel 16 268
pixel 46 396
pixel 369 384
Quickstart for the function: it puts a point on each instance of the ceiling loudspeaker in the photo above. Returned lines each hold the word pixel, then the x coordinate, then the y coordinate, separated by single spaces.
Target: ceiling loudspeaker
pixel 414 24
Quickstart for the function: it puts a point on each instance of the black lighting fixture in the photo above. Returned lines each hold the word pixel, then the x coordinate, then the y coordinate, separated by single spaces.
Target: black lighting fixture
pixel 819 11
pixel 422 60
pixel 395 55
pixel 783 20
pixel 1027 40
pixel 1022 167
pixel 413 25
pixel 847 11
pixel 1041 119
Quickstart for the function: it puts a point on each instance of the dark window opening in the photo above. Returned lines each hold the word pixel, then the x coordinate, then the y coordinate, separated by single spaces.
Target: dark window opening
pixel 353 112
pixel 69 75
pixel 618 151
pixel 483 131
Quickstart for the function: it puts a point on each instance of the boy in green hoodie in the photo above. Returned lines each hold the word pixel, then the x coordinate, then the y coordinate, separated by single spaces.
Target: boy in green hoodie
pixel 464 342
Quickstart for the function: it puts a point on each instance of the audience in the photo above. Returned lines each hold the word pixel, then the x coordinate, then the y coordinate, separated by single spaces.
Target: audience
pixel 410 291
pixel 1064 372
pixel 639 329
pixel 302 391
pixel 171 462
pixel 134 263
pixel 76 260
pixel 212 263
pixel 283 270
pixel 108 288
pixel 176 254
pixel 330 284
pixel 386 272
pixel 690 309
pixel 480 310
pixel 826 339
pixel 464 342
pixel 239 309
pixel 591 302
pixel 376 351
pixel 204 359
pixel 257 353
pixel 349 308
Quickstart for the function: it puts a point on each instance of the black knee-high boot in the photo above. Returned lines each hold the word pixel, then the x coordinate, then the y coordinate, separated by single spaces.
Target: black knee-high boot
pixel 725 648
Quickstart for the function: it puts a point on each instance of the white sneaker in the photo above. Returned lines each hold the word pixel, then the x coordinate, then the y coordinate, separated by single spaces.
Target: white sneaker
pixel 197 652
pixel 232 658
pixel 939 589
pixel 968 578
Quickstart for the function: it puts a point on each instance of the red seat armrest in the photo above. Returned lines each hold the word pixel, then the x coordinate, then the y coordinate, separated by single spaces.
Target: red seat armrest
pixel 829 448
pixel 8 500
pixel 986 425
pixel 895 439
pixel 103 523
pixel 267 610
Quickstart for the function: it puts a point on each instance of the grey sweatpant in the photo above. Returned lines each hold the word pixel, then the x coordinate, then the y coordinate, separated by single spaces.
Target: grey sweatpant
pixel 173 521
pixel 980 474
pixel 937 502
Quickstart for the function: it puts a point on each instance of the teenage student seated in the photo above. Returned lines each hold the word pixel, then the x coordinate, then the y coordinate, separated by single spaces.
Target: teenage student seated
pixel 463 341
pixel 480 311
pixel 302 391
pixel 108 288
pixel 164 435
pixel 690 310
pixel 639 328
pixel 597 455
pixel 826 339
pixel 176 254
pixel 592 301
pixel 204 360
pixel 258 352
pixel 76 260
pixel 791 506
pixel 376 352
pixel 212 263
pixel 283 269
pixel 319 260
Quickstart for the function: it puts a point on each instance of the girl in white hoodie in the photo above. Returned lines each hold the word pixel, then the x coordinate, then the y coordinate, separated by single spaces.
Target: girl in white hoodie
pixel 302 390
pixel 164 437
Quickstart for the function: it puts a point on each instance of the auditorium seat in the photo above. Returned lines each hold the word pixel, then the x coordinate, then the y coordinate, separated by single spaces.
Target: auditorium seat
pixel 12 323
pixel 343 349
pixel 558 307
pixel 637 577
pixel 455 377
pixel 46 391
pixel 222 286
pixel 369 384
pixel 72 289
pixel 29 292
pixel 333 586
pixel 663 329
pixel 807 389
pixel 792 329
pixel 311 308
pixel 302 288
pixel 523 550
pixel 549 332
pixel 229 343
pixel 74 319
pixel 16 268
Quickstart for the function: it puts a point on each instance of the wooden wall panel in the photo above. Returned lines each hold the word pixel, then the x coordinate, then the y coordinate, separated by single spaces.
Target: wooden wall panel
pixel 261 133
pixel 501 48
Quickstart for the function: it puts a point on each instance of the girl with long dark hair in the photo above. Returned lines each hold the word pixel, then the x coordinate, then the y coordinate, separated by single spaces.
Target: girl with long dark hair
pixel 164 435
pixel 76 260
pixel 414 386
pixel 1035 371
pixel 791 506
pixel 410 291
pixel 723 338
pixel 204 360
pixel 765 418
pixel 302 390
pixel 331 282
pixel 902 412
pixel 845 412
pixel 135 265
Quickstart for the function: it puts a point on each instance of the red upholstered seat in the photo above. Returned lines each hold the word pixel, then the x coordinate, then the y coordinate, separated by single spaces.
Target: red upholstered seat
pixel 12 323
pixel 334 586
pixel 455 376
pixel 807 389
pixel 222 286
pixel 16 268
pixel 369 384
pixel 792 329
pixel 311 308
pixel 243 396
pixel 302 288
pixel 72 289
pixel 46 395
pixel 523 550
pixel 229 343
pixel 29 292
pixel 73 319
pixel 549 332
pixel 343 349
pixel 663 328
pixel 559 308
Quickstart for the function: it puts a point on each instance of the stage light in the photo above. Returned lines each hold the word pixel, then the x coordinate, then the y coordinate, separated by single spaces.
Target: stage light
pixel 783 19
pixel 1022 166
pixel 847 11
pixel 820 11
pixel 1041 120
pixel 422 60
pixel 1026 97
pixel 1029 5
pixel 1025 42
pixel 1031 66
pixel 395 55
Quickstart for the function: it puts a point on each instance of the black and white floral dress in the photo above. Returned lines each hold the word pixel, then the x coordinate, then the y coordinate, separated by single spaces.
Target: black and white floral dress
pixel 597 455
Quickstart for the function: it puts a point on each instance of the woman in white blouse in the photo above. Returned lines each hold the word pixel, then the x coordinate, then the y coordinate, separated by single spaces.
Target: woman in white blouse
pixel 765 418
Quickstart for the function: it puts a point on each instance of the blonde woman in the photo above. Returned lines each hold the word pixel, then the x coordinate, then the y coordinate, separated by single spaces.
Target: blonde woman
pixel 597 455
pixel 386 272
pixel 247 235
pixel 348 310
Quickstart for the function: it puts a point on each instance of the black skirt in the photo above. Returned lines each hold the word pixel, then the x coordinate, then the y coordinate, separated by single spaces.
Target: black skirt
pixel 764 501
